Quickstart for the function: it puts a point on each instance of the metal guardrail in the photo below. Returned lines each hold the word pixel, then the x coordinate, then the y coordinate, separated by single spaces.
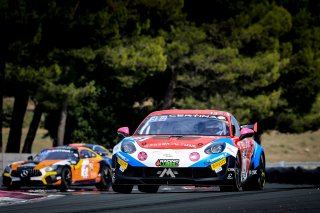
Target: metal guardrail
pixel 293 164
pixel 7 158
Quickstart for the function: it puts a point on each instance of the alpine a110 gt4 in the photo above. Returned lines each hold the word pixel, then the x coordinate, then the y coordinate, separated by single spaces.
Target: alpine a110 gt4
pixel 188 147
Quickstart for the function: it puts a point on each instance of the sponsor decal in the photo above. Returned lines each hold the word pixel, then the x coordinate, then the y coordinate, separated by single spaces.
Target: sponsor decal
pixel 218 164
pixel 223 155
pixel 167 162
pixel 142 156
pixel 85 168
pixel 167 172
pixel 29 164
pixel 232 150
pixel 122 163
pixel 243 176
pixel 123 157
pixel 220 117
pixel 167 155
pixel 218 169
pixel 153 118
pixel 194 156
pixel 230 176
pixel 163 118
pixel 253 172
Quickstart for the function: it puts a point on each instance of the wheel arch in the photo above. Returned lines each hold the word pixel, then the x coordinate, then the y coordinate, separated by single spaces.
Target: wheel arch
pixel 259 151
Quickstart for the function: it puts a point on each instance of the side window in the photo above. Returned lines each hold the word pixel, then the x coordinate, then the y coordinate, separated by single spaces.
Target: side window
pixel 236 126
pixel 92 155
pixel 85 154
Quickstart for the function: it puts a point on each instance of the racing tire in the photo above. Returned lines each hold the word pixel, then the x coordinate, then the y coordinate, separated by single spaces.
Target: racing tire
pixel 148 188
pixel 126 189
pixel 66 179
pixel 6 181
pixel 257 182
pixel 235 187
pixel 106 179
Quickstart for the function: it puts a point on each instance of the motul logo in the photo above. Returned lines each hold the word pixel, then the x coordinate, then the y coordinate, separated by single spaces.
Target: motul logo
pixel 167 172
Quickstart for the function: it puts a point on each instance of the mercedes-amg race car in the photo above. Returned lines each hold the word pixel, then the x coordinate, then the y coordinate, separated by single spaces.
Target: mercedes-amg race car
pixel 59 167
pixel 188 147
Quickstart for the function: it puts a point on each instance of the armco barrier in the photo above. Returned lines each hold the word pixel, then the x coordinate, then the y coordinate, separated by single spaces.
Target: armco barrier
pixel 293 175
pixel 7 158
pixel 306 165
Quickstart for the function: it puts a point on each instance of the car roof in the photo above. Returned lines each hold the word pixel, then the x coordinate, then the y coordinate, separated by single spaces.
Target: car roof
pixel 72 147
pixel 191 111
pixel 88 145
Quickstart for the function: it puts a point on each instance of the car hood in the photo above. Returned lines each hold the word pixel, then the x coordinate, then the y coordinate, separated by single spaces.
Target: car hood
pixel 173 142
pixel 181 151
pixel 35 164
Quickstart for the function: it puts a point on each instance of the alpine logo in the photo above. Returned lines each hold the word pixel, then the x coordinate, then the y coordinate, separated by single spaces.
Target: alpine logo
pixel 167 172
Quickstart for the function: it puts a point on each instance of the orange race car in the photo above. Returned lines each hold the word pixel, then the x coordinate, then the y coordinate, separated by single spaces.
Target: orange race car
pixel 101 150
pixel 59 167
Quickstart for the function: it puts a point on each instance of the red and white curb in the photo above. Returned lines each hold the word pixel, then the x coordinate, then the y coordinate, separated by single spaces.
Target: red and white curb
pixel 19 197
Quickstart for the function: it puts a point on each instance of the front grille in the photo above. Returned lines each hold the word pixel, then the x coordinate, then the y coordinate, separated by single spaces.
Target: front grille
pixel 152 172
pixel 25 172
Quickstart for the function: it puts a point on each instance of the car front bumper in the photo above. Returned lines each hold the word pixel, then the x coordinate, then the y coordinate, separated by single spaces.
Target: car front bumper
pixel 197 176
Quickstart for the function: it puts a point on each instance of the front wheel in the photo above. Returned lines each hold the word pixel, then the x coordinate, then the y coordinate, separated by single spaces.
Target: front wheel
pixel 6 181
pixel 257 182
pixel 236 184
pixel 66 179
pixel 106 179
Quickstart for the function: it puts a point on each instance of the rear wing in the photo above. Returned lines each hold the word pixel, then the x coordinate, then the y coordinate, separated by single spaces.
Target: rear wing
pixel 257 132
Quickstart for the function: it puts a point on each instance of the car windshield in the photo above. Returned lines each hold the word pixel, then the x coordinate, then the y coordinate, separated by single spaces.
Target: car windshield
pixel 99 149
pixel 209 125
pixel 55 154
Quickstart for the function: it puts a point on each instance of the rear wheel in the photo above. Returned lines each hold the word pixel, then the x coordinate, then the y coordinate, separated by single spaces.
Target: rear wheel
pixel 122 188
pixel 105 182
pixel 257 182
pixel 66 179
pixel 235 187
pixel 148 188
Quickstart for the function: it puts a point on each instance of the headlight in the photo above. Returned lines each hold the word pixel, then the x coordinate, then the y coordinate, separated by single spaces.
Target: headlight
pixel 128 147
pixel 215 148
pixel 7 169
pixel 51 168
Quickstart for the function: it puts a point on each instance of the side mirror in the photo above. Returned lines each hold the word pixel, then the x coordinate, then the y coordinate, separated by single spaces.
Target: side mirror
pixel 30 158
pixel 245 133
pixel 123 132
pixel 102 153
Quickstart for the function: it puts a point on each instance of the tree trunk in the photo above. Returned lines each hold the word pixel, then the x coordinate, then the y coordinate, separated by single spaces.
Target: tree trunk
pixel 167 102
pixel 1 96
pixel 34 125
pixel 62 123
pixel 19 110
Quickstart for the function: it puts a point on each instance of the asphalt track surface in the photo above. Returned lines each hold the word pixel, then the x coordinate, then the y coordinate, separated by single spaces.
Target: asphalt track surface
pixel 273 198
